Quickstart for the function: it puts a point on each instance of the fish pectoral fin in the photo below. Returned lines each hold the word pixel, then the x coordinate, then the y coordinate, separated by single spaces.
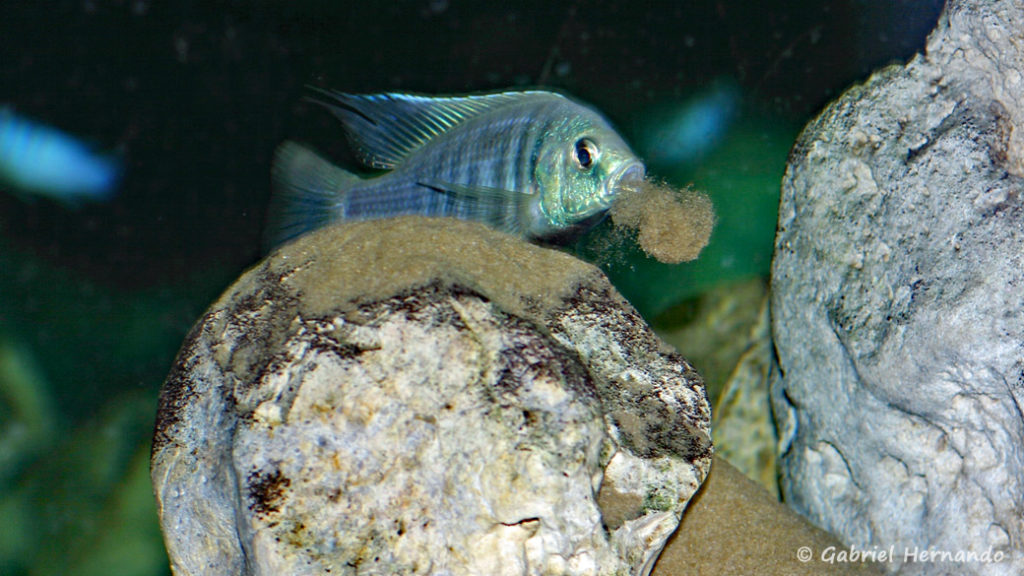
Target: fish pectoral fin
pixel 502 209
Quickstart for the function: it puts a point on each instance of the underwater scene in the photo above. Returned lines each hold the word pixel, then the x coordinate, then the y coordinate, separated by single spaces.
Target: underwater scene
pixel 138 141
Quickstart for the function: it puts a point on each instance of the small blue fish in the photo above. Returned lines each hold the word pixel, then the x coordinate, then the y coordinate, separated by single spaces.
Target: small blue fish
pixel 37 159
pixel 535 164
pixel 689 132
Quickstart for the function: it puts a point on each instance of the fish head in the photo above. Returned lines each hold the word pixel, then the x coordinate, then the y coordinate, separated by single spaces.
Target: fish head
pixel 582 165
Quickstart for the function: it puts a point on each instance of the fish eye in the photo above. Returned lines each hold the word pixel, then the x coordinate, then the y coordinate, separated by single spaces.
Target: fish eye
pixel 585 153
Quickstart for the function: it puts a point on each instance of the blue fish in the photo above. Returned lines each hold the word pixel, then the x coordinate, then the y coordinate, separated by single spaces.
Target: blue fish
pixel 37 159
pixel 534 164
pixel 689 132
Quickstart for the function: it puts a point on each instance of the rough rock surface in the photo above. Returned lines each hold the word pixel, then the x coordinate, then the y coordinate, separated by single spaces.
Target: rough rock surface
pixel 743 430
pixel 424 396
pixel 727 337
pixel 898 304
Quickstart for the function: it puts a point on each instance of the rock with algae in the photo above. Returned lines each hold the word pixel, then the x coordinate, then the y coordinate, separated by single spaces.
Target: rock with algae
pixel 898 309
pixel 743 429
pixel 419 396
pixel 726 336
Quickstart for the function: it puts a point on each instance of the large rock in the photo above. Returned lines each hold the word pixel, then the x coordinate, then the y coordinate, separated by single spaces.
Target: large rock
pixel 898 305
pixel 423 396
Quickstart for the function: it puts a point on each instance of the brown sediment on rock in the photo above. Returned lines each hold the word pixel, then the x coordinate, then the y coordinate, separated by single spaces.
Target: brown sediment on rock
pixel 367 261
pixel 672 225
pixel 734 526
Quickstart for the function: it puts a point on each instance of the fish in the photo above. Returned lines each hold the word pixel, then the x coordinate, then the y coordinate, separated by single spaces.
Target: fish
pixel 39 160
pixel 535 164
pixel 693 129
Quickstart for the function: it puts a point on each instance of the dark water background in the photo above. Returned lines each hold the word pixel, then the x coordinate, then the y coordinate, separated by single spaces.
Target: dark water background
pixel 194 96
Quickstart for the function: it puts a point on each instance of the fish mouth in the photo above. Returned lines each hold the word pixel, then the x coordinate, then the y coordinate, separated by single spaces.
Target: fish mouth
pixel 627 178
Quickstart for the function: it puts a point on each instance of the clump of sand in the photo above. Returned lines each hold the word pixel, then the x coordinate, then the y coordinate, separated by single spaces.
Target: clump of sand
pixel 671 225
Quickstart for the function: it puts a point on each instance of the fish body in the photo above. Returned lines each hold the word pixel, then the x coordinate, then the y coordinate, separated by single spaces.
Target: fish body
pixel 40 160
pixel 535 164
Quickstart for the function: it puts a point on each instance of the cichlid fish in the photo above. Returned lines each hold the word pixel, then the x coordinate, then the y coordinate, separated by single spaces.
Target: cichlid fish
pixel 690 132
pixel 41 160
pixel 535 164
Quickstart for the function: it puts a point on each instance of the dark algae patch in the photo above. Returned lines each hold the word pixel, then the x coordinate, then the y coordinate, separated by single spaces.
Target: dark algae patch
pixel 266 491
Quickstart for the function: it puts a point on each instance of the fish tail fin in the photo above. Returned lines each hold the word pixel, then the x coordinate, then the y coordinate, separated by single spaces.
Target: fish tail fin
pixel 308 191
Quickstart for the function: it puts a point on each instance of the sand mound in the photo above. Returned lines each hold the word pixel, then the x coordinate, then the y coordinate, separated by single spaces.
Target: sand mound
pixel 672 225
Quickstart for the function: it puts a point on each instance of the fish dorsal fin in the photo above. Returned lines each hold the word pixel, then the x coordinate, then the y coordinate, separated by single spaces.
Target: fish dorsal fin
pixel 386 128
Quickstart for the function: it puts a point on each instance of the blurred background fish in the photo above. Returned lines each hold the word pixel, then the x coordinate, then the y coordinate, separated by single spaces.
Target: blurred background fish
pixel 686 132
pixel 535 164
pixel 36 159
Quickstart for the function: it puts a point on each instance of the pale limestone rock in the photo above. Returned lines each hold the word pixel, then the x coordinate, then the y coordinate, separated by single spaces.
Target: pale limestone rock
pixel 421 396
pixel 898 308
